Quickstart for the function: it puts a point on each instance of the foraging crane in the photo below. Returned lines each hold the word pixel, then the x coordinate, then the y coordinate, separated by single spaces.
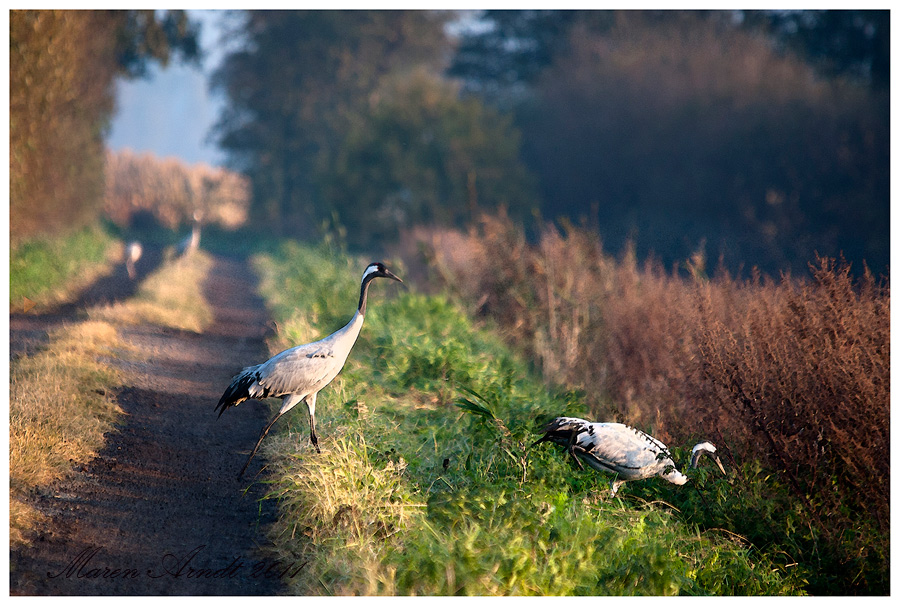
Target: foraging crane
pixel 191 242
pixel 625 451
pixel 133 252
pixel 297 374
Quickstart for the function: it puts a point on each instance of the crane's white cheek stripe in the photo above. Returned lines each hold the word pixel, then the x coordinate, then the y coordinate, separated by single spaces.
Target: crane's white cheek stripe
pixel 371 269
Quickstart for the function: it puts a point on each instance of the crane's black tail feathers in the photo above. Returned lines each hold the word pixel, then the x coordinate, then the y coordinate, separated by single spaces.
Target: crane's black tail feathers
pixel 239 390
pixel 561 430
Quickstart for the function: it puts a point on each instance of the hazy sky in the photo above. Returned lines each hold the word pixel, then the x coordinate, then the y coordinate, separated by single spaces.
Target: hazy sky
pixel 170 114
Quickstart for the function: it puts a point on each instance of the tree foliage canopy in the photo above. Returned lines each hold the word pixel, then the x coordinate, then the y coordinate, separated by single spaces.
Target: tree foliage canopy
pixel 324 125
pixel 421 155
pixel 62 68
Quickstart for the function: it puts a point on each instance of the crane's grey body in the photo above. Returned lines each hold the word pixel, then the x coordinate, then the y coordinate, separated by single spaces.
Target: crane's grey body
pixel 615 448
pixel 299 373
pixel 191 242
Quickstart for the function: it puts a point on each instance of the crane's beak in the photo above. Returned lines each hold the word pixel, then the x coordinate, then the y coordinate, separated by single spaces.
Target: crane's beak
pixel 709 450
pixel 543 439
pixel 387 274
pixel 719 463
pixel 712 456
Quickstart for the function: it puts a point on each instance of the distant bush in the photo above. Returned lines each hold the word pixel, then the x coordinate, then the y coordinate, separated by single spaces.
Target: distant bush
pixel 793 373
pixel 171 191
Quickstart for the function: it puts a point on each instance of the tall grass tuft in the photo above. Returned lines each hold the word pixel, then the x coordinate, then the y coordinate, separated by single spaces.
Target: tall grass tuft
pixel 792 373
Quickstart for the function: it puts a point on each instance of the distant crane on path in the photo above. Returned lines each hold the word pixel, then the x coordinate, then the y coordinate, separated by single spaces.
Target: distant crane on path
pixel 625 451
pixel 299 373
pixel 191 242
pixel 133 253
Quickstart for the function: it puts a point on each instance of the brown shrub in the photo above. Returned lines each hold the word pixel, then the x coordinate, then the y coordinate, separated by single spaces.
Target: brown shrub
pixel 795 373
pixel 171 191
pixel 805 367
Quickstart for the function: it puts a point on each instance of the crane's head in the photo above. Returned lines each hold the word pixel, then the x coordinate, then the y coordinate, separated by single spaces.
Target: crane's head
pixel 705 448
pixel 378 270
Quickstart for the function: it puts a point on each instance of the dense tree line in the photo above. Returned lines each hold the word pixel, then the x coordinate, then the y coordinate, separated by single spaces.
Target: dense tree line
pixel 759 137
pixel 62 68
pixel 756 137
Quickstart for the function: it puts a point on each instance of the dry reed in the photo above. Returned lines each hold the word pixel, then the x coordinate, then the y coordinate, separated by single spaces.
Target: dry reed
pixel 172 191
pixel 792 372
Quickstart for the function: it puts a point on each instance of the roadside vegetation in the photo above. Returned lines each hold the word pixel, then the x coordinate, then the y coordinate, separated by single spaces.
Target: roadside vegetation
pixel 51 270
pixel 791 377
pixel 425 484
pixel 60 405
pixel 62 398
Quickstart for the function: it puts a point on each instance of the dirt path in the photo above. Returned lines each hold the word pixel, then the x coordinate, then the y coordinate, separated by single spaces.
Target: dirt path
pixel 159 511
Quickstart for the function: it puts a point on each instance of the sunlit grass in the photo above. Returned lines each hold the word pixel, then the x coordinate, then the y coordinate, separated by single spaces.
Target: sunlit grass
pixel 60 407
pixel 51 271
pixel 413 495
pixel 171 296
pixel 787 377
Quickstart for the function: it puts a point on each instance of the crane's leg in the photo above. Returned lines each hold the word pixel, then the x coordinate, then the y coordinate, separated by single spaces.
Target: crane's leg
pixel 288 403
pixel 311 406
pixel 572 448
pixel 258 442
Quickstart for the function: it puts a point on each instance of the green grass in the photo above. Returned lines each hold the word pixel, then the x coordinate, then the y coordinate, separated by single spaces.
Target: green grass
pixel 425 487
pixel 49 270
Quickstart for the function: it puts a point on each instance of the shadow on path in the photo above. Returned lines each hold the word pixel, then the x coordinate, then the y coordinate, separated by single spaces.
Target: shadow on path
pixel 29 331
pixel 161 499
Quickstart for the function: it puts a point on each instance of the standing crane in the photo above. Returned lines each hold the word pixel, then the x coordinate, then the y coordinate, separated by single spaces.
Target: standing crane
pixel 299 373
pixel 133 252
pixel 191 242
pixel 625 451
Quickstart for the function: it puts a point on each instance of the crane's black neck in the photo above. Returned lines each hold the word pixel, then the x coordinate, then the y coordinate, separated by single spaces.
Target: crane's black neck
pixel 364 293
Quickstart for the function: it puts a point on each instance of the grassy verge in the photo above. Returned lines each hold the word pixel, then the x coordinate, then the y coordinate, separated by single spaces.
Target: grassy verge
pixel 792 375
pixel 424 487
pixel 60 407
pixel 50 271
pixel 62 398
